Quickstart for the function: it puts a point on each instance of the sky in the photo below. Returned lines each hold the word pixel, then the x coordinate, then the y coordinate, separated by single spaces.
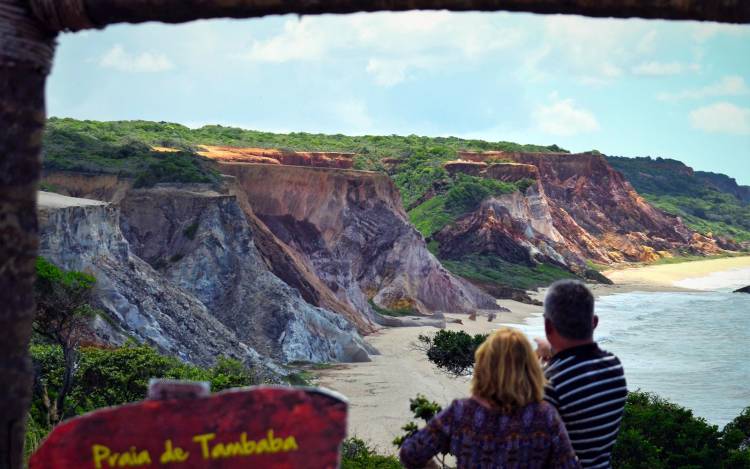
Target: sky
pixel 624 87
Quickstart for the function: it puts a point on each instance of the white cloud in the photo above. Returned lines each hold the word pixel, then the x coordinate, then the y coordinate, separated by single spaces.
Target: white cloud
pixel 299 40
pixel 146 62
pixel 731 85
pixel 387 72
pixel 591 51
pixel 721 117
pixel 563 118
pixel 656 68
pixel 393 44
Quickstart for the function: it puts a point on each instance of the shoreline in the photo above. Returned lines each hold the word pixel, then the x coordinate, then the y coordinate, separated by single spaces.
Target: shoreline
pixel 379 390
pixel 663 277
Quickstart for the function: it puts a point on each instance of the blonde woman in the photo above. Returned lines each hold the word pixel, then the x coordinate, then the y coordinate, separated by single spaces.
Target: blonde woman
pixel 505 423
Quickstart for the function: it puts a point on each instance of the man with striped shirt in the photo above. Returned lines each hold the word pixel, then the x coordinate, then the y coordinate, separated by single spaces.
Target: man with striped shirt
pixel 586 384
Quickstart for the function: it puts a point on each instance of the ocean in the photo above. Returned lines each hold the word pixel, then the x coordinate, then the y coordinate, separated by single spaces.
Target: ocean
pixel 692 348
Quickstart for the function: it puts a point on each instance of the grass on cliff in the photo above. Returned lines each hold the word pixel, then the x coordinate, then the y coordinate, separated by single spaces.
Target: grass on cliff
pixel 407 311
pixel 493 269
pixel 71 150
pixel 672 187
pixel 462 195
pixel 88 145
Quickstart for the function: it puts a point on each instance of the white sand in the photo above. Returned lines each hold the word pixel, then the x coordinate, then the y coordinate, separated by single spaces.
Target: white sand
pixel 52 200
pixel 379 391
pixel 668 275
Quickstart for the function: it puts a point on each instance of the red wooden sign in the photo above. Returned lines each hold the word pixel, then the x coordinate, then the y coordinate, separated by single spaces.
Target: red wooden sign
pixel 274 427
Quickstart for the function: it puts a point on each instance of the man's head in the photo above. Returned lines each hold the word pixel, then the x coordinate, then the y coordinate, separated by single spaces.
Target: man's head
pixel 569 317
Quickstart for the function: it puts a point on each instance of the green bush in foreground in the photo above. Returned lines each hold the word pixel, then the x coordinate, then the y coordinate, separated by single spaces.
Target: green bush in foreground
pixel 357 454
pixel 113 376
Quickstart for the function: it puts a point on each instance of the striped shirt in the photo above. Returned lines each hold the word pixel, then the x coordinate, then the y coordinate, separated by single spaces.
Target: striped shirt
pixel 587 386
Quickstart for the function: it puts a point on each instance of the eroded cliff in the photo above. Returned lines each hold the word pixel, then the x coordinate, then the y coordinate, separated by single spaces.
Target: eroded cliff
pixel 592 211
pixel 85 235
pixel 349 227
pixel 202 242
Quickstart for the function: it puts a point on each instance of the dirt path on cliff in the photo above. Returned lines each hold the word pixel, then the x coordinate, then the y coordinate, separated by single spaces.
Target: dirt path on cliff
pixel 379 391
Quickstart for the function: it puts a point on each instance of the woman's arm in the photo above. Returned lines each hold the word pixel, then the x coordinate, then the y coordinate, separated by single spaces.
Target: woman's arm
pixel 419 449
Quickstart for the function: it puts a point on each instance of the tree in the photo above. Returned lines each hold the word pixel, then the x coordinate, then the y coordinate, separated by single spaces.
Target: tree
pixel 62 311
pixel 28 29
pixel 452 351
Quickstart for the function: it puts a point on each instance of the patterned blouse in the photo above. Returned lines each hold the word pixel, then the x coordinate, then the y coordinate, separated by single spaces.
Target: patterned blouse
pixel 482 437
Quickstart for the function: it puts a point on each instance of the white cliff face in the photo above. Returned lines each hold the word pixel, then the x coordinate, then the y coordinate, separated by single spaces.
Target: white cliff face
pixel 530 207
pixel 201 241
pixel 85 235
pixel 211 293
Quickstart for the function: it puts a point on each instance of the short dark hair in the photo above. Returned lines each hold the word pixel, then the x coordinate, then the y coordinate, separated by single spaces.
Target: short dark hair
pixel 569 305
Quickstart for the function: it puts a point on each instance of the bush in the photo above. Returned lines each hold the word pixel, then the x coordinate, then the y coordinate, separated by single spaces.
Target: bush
pixel 107 377
pixel 356 454
pixel 452 351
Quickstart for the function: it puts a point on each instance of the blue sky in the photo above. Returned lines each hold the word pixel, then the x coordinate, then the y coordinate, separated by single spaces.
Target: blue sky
pixel 623 87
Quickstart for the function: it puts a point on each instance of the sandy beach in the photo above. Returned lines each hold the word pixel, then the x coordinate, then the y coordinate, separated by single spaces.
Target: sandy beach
pixel 379 391
pixel 665 276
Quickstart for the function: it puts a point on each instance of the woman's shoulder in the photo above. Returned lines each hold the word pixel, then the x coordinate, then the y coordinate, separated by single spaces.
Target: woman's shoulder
pixel 544 411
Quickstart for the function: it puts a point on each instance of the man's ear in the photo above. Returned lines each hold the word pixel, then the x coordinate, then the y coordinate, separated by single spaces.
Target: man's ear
pixel 594 322
pixel 549 329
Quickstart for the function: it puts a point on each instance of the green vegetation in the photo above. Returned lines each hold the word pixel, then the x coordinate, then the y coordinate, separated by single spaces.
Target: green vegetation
pixel 405 311
pixel 451 351
pixel 462 195
pixel 357 454
pixel 69 146
pixel 113 376
pixel 422 409
pixel 125 147
pixel 658 434
pixel 672 187
pixel 493 269
pixel 62 312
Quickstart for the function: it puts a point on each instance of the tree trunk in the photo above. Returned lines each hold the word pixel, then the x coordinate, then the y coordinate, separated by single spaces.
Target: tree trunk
pixel 70 357
pixel 25 55
pixel 21 124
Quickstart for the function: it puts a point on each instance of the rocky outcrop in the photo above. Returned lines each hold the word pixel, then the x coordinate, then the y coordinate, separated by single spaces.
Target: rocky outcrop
pixel 512 172
pixel 202 242
pixel 743 290
pixel 350 229
pixel 109 187
pixel 316 159
pixel 517 227
pixel 85 235
pixel 594 213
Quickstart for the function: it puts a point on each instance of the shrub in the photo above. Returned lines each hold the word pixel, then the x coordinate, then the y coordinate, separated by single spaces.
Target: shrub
pixel 106 377
pixel 452 351
pixel 356 454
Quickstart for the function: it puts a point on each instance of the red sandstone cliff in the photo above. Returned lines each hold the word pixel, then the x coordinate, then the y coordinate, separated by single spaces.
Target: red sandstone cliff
pixel 350 228
pixel 590 210
pixel 275 156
